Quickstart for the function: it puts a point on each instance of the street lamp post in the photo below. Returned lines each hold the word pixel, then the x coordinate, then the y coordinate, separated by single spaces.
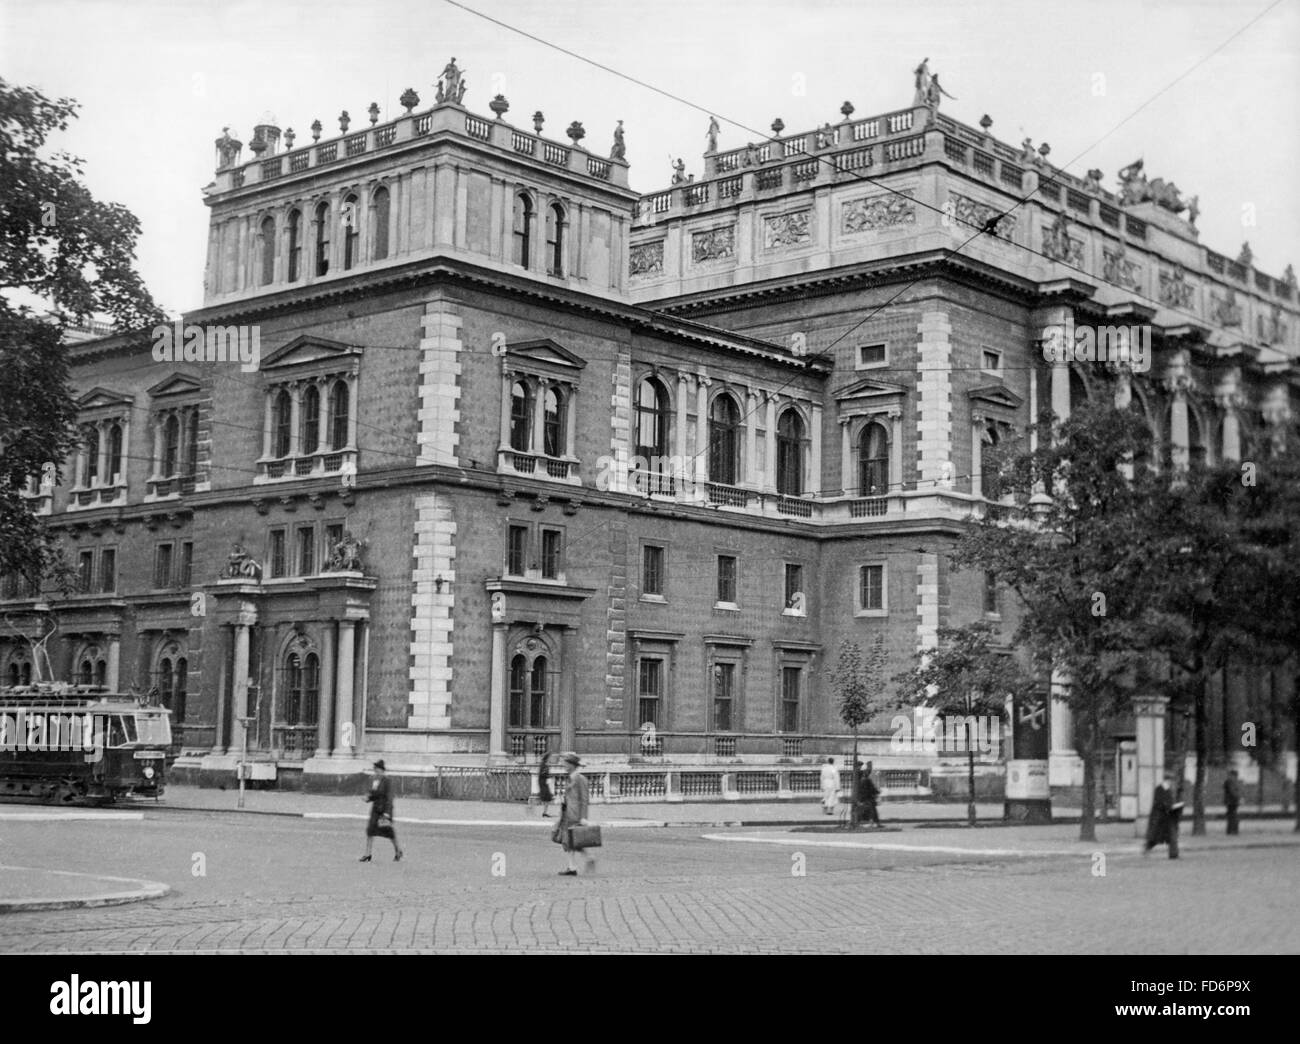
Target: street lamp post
pixel 244 720
pixel 970 757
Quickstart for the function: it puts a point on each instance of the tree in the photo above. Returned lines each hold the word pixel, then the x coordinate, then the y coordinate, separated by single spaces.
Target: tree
pixel 967 676
pixel 60 248
pixel 859 681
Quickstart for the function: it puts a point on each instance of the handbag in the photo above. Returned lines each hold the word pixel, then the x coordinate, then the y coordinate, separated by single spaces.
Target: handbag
pixel 557 835
pixel 581 837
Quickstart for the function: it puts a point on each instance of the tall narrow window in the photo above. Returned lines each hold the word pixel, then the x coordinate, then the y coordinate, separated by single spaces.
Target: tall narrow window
pixel 793 583
pixel 873 462
pixel 310 711
pixel 293 688
pixel 165 681
pixel 85 571
pixel 380 250
pixel 306 551
pixel 523 229
pixel 277 562
pixel 108 570
pixel 791 684
pixel 180 688
pixel 185 572
pixel 650 692
pixel 990 472
pixel 537 693
pixel 553 423
pixel 789 454
pixel 162 566
pixel 92 455
pixel 518 680
pixel 191 442
pixel 171 445
pixel 282 420
pixel 114 453
pixel 295 245
pixel 652 417
pixel 555 240
pixel 727 579
pixel 724 440
pixel 516 550
pixel 268 250
pixel 521 416
pixel 551 544
pixel 309 438
pixel 340 420
pixel 323 239
pixel 871 587
pixel 724 682
pixel 652 571
pixel 351 231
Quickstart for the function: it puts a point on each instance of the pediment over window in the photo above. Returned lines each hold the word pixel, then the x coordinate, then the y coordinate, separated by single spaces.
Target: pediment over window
pixel 177 384
pixel 102 399
pixel 995 395
pixel 869 396
pixel 307 351
pixel 545 352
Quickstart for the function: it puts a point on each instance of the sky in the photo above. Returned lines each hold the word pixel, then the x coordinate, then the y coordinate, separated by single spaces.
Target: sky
pixel 1207 93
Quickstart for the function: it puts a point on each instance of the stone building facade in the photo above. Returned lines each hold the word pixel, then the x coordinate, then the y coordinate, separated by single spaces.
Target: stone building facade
pixel 472 451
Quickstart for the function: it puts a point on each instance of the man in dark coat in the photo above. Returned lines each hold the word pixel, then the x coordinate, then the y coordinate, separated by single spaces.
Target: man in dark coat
pixel 573 812
pixel 1232 798
pixel 868 795
pixel 1162 826
pixel 381 813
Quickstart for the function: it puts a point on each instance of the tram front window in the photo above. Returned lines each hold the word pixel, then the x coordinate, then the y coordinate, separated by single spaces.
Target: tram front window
pixel 154 729
pixel 121 731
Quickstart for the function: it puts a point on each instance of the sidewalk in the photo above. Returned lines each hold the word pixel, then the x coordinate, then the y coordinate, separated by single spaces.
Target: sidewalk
pixel 28 888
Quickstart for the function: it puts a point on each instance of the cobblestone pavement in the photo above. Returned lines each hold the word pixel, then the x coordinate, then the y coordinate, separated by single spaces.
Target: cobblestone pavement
pixel 276 884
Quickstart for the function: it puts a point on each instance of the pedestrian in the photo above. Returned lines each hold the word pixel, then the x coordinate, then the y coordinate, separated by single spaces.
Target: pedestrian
pixel 1232 798
pixel 830 786
pixel 544 795
pixel 381 812
pixel 1162 826
pixel 573 812
pixel 868 796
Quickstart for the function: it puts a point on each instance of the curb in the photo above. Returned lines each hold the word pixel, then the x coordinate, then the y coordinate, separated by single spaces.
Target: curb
pixel 143 890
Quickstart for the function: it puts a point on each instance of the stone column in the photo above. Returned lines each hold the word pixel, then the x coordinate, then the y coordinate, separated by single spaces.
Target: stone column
pixel 1228 397
pixel 539 416
pixel 361 670
pixel 1149 718
pixel 896 450
pixel 343 678
pixel 323 416
pixel 683 391
pixel 507 401
pixel 769 445
pixel 848 481
pixel 244 621
pixel 976 454
pixel 497 697
pixel 751 438
pixel 1063 763
pixel 571 421
pixel 156 470
pixel 325 731
pixel 105 479
pixel 113 671
pixel 267 427
pixel 295 418
pixel 702 384
pixel 219 731
pixel 568 690
pixel 352 409
pixel 815 464
pixel 1177 382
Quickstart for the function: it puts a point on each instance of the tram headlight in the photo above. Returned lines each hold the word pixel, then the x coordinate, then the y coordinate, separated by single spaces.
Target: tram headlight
pixel 148 772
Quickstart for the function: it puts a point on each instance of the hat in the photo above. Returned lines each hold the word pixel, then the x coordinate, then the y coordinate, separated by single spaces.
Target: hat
pixel 380 764
pixel 570 758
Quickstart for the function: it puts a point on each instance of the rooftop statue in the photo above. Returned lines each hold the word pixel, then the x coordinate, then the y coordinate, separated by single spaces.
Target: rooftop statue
pixel 713 134
pixel 452 85
pixel 936 89
pixel 679 171
pixel 922 73
pixel 619 151
pixel 1135 188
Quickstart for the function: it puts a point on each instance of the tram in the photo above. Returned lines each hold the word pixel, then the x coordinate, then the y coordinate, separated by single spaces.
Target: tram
pixel 74 744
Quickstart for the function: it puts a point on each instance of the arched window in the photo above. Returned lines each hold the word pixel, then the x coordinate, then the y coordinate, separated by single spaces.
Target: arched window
pixel 171 445
pixel 652 417
pixel 292 689
pixel 323 239
pixel 281 420
pixel 523 229
pixel 92 455
pixel 521 416
pixel 165 682
pixel 789 453
pixel 518 680
pixel 27 672
pixel 268 250
pixel 990 469
pixel 724 440
pixel 537 693
pixel 86 675
pixel 340 426
pixel 310 709
pixel 295 245
pixel 873 461
pixel 351 230
pixel 101 673
pixel 114 452
pixel 553 423
pixel 302 689
pixel 180 687
pixel 14 676
pixel 555 240
pixel 381 199
pixel 192 442
pixel 310 436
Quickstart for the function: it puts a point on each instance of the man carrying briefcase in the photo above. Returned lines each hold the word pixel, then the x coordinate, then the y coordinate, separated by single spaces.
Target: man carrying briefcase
pixel 572 832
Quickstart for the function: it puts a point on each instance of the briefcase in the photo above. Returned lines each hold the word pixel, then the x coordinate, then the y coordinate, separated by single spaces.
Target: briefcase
pixel 581 837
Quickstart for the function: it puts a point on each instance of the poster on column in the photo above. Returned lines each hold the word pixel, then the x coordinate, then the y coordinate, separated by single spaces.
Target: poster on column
pixel 1029 726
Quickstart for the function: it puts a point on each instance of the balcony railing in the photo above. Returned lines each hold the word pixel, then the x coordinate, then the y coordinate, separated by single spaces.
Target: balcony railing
pixel 322 462
pixel 728 496
pixel 796 506
pixel 295 741
pixel 868 507
pixel 537 465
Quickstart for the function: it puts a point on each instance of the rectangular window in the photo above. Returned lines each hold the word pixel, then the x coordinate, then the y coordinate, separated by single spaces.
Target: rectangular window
pixel 991 360
pixel 791 684
pixel 551 554
pixel 727 579
pixel 724 688
pixel 650 691
pixel 162 566
pixel 517 551
pixel 652 571
pixel 186 573
pixel 276 556
pixel 870 355
pixel 871 587
pixel 990 594
pixel 85 571
pixel 306 551
pixel 108 570
pixel 793 585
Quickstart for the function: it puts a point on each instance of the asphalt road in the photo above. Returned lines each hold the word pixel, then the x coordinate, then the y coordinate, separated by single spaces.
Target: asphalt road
pixel 267 883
